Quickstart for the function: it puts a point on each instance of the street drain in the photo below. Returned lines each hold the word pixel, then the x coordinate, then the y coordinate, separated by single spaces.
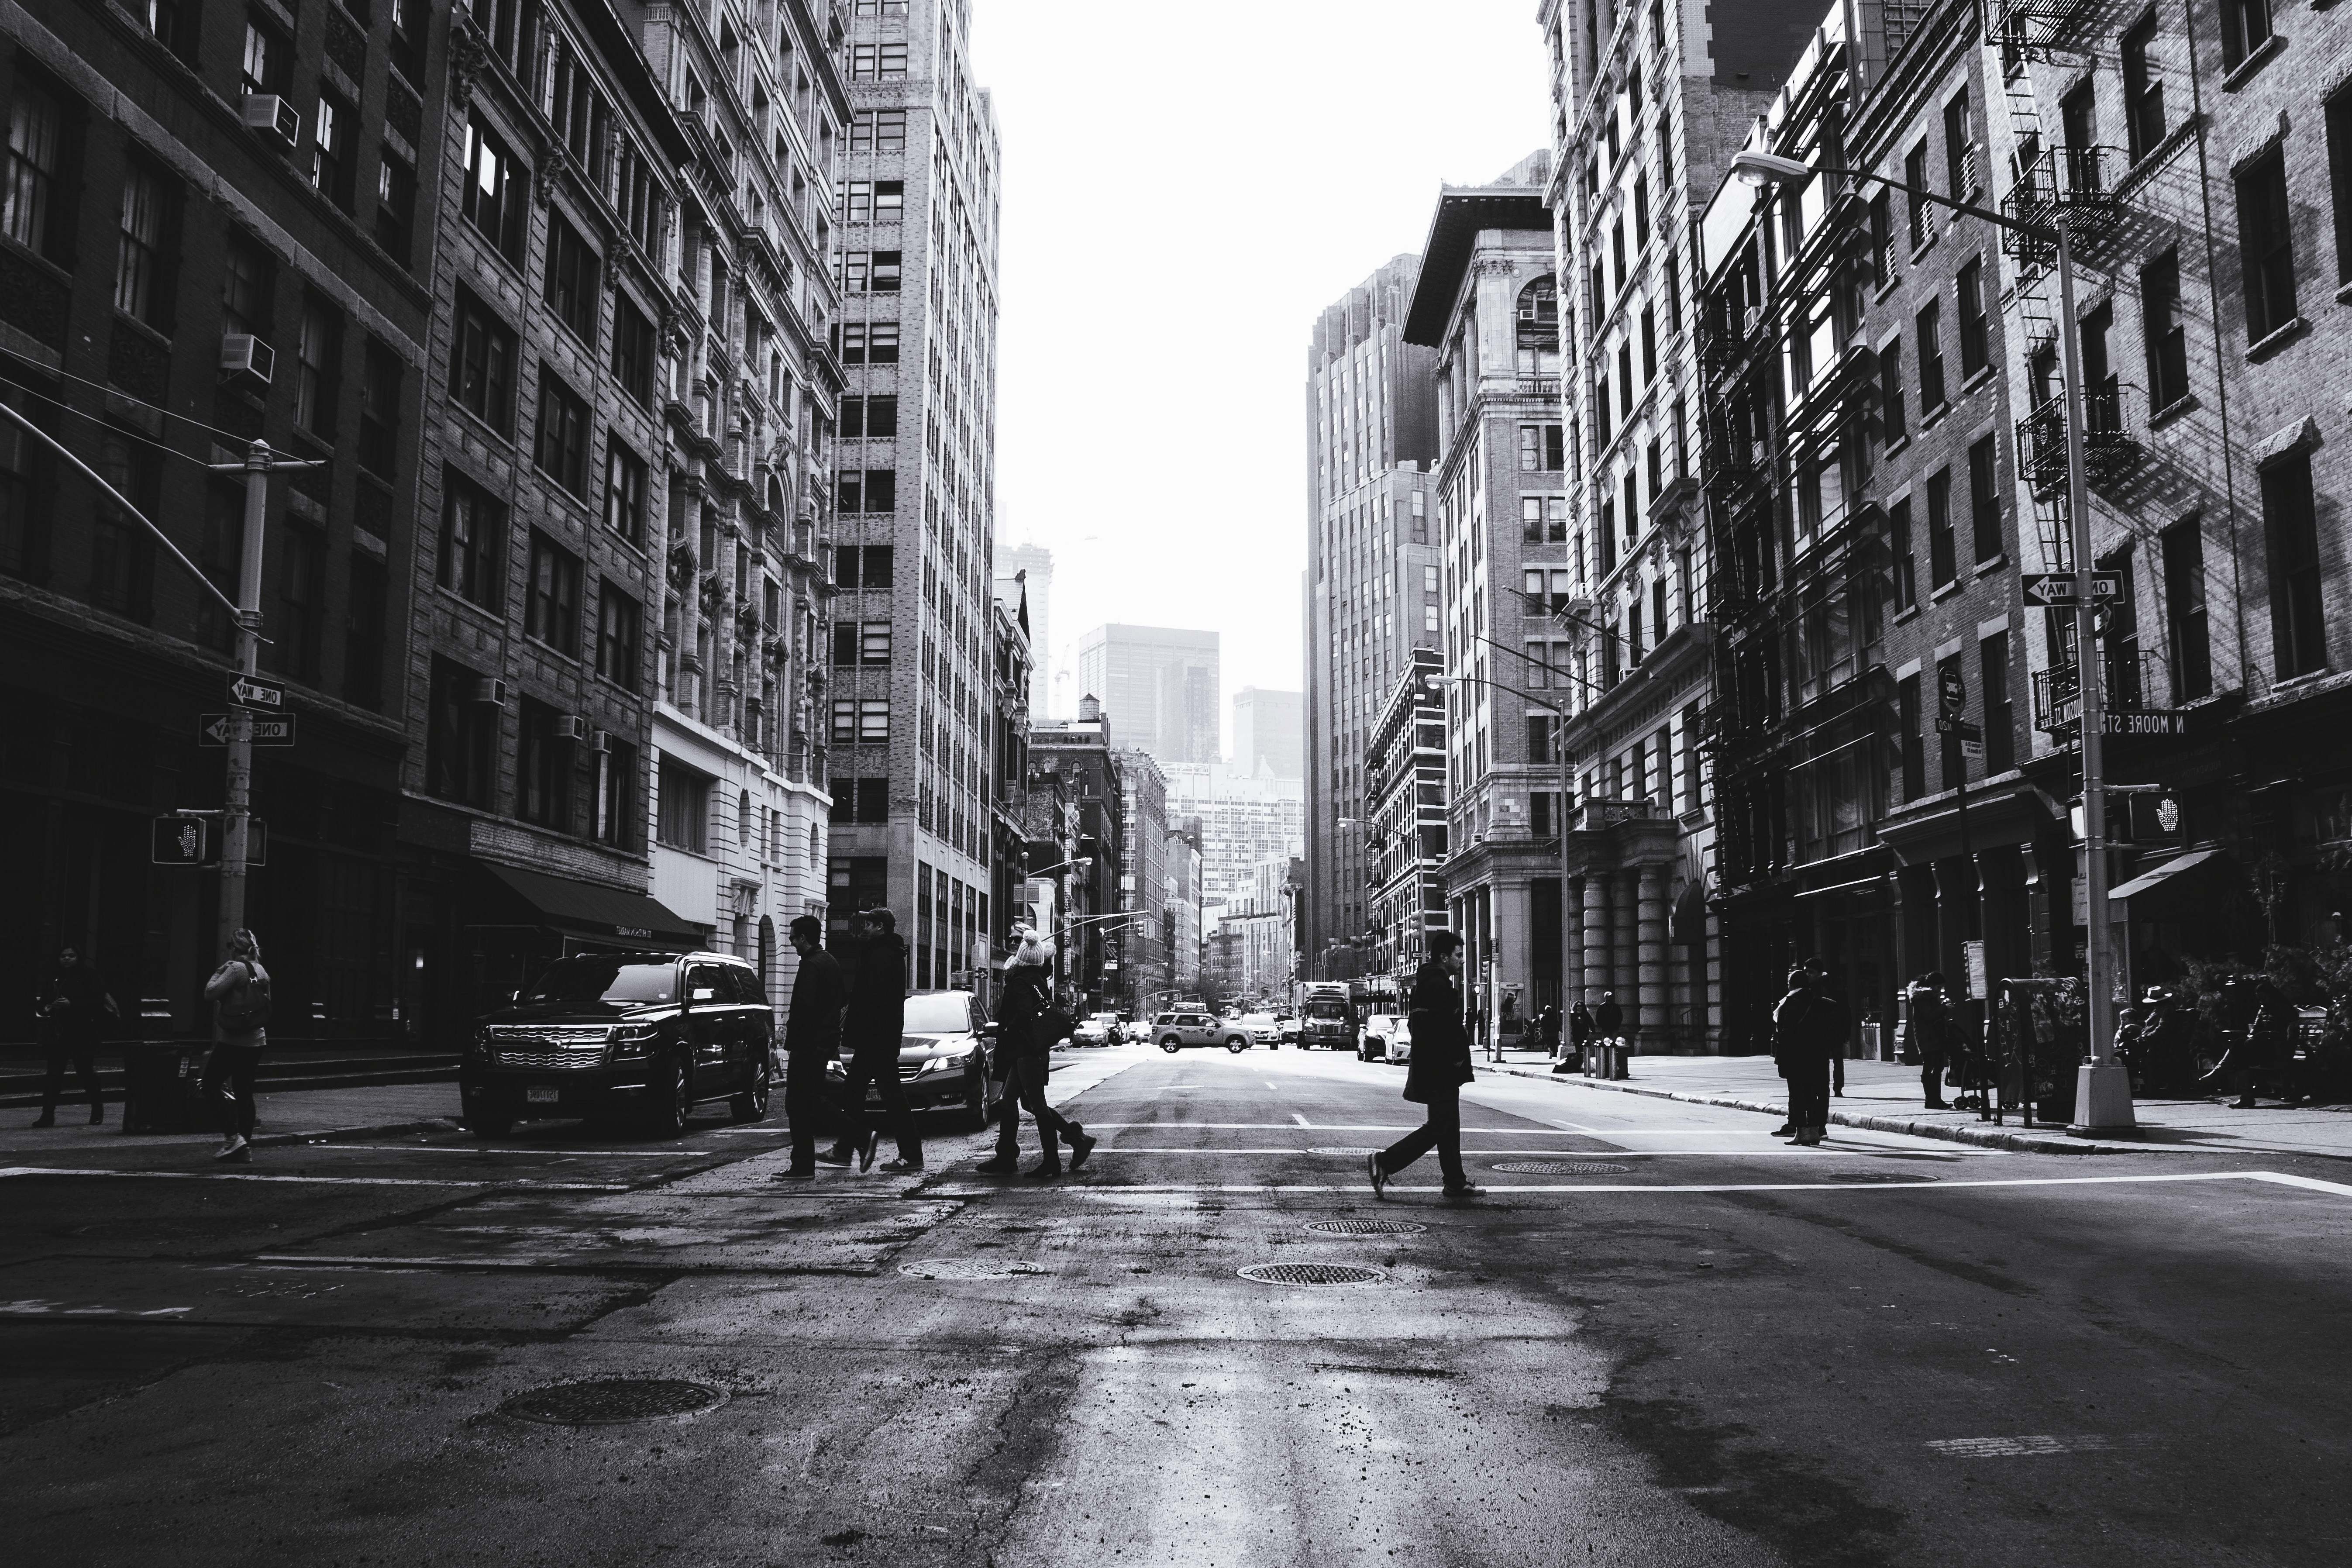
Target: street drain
pixel 1878 1176
pixel 966 1268
pixel 1310 1274
pixel 1351 1154
pixel 1560 1168
pixel 1365 1227
pixel 614 1400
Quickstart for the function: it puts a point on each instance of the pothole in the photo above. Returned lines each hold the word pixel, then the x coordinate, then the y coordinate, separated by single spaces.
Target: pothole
pixel 967 1268
pixel 1560 1168
pixel 1310 1274
pixel 1865 1176
pixel 614 1400
pixel 1365 1227
pixel 1351 1154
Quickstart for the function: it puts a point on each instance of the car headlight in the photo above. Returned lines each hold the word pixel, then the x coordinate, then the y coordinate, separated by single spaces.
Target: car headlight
pixel 947 1063
pixel 633 1039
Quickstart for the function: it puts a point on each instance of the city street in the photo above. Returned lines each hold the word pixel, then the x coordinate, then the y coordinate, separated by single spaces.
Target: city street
pixel 1662 1336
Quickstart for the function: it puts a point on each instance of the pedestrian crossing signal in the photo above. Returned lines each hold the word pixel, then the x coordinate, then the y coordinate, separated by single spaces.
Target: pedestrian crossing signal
pixel 179 841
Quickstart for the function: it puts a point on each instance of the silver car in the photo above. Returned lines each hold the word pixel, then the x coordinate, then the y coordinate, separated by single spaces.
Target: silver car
pixel 1172 1032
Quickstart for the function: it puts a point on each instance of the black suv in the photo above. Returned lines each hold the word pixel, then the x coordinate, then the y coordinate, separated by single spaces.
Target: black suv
pixel 644 1036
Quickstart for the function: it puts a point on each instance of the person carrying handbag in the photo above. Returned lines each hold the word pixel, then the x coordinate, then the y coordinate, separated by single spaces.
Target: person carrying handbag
pixel 240 993
pixel 1028 1024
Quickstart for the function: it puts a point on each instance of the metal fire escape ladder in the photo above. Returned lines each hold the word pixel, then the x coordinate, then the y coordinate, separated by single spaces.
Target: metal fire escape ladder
pixel 2027 311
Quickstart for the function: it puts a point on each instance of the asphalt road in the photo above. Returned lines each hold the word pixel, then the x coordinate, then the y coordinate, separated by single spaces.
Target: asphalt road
pixel 1684 1342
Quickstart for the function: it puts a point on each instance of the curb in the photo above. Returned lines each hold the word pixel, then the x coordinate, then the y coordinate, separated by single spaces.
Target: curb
pixel 2024 1143
pixel 378 1130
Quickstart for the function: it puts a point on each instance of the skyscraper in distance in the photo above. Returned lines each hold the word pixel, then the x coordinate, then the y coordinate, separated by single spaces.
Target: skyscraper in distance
pixel 1266 728
pixel 1159 686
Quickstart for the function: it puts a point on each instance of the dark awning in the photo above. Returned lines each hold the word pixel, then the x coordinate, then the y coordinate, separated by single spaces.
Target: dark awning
pixel 590 910
pixel 2163 888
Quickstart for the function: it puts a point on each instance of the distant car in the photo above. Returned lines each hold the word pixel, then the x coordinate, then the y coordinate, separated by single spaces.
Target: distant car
pixel 1388 1037
pixel 1101 1029
pixel 1289 1022
pixel 1263 1029
pixel 943 1058
pixel 1172 1032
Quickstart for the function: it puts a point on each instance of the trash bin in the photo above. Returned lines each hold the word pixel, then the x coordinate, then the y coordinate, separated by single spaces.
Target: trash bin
pixel 164 1088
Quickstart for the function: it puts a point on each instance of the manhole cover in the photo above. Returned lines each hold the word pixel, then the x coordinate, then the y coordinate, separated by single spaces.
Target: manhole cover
pixel 615 1400
pixel 966 1268
pixel 1310 1274
pixel 1878 1176
pixel 1562 1168
pixel 1365 1227
pixel 1351 1154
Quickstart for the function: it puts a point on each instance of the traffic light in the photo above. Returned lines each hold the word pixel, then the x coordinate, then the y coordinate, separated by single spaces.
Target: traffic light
pixel 180 841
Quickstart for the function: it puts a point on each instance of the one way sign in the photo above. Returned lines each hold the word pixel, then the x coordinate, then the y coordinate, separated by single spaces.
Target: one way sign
pixel 2055 590
pixel 267 731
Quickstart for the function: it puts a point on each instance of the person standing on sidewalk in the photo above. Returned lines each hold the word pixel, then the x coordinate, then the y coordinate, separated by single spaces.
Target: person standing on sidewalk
pixel 74 1005
pixel 1808 1030
pixel 872 1029
pixel 1440 1067
pixel 812 1038
pixel 240 993
pixel 1931 1036
pixel 1609 1019
pixel 1027 1026
pixel 1581 1030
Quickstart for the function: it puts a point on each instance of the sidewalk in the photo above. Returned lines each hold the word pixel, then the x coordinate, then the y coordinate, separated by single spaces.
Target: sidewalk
pixel 1885 1097
pixel 286 1116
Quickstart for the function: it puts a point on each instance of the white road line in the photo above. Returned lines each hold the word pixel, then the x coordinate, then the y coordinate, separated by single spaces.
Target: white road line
pixel 6 1170
pixel 473 1148
pixel 1300 1119
pixel 2034 1445
pixel 1503 1189
pixel 1595 1154
pixel 1269 1083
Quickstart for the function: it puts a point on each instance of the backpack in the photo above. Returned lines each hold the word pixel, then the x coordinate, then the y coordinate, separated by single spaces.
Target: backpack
pixel 247 1009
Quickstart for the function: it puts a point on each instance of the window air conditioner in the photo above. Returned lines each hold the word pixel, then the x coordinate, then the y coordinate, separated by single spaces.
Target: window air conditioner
pixel 600 740
pixel 242 353
pixel 488 689
pixel 570 727
pixel 1751 321
pixel 274 117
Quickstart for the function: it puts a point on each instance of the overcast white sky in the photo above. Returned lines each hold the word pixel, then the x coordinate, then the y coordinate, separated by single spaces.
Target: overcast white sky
pixel 1185 190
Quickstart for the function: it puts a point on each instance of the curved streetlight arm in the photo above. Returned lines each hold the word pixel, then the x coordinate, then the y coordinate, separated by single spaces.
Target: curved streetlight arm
pixel 1763 169
pixel 1539 664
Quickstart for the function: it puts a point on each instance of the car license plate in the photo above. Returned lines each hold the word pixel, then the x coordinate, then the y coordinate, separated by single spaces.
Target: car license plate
pixel 542 1094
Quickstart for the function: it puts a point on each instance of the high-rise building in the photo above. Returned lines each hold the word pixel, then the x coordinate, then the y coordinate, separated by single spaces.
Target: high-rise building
pixel 1243 820
pixel 910 713
pixel 1159 685
pixel 1268 732
pixel 1038 563
pixel 1487 303
pixel 1372 589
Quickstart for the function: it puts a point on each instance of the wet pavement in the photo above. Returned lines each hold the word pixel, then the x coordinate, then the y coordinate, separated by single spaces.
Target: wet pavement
pixel 1661 1336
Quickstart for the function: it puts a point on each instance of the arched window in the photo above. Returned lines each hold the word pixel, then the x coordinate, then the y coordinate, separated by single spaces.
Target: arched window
pixel 1538 329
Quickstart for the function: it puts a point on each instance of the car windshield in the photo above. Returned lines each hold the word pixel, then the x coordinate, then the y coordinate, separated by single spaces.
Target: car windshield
pixel 939 1013
pixel 1326 1009
pixel 1257 1017
pixel 580 982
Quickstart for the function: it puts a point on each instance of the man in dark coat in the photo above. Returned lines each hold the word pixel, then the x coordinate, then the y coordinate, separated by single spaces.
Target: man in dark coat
pixel 812 1038
pixel 1931 1034
pixel 1581 1031
pixel 872 1030
pixel 74 1005
pixel 1440 1066
pixel 1609 1019
pixel 1027 1025
pixel 1807 1031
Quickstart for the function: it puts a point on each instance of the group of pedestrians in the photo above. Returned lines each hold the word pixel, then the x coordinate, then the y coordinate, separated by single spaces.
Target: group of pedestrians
pixel 76 1004
pixel 856 1013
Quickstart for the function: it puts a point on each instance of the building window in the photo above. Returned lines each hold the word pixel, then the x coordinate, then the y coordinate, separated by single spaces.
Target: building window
pixel 2245 27
pixel 2184 612
pixel 1541 450
pixel 1975 350
pixel 2143 92
pixel 627 482
pixel 863 417
pixel 2298 632
pixel 616 818
pixel 482 366
pixel 37 213
pixel 569 285
pixel 301 602
pixel 562 452
pixel 2339 177
pixel 248 283
pixel 845 722
pixel 495 201
pixel 1914 748
pixel 633 351
pixel 1984 500
pixel 473 529
pixel 28 471
pixel 122 552
pixel 2000 720
pixel 1892 424
pixel 2163 330
pixel 268 58
pixel 1942 552
pixel 319 373
pixel 1899 535
pixel 878 130
pixel 461 736
pixel 1882 239
pixel 331 150
pixel 2266 245
pixel 551 604
pixel 379 409
pixel 620 629
pixel 143 272
pixel 873 201
pixel 874 642
pixel 1959 149
pixel 685 820
pixel 1920 214
pixel 1931 359
pixel 364 632
pixel 873 722
pixel 869 490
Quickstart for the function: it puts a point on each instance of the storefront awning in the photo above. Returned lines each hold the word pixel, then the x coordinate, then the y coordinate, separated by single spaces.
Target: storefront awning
pixel 608 915
pixel 2151 893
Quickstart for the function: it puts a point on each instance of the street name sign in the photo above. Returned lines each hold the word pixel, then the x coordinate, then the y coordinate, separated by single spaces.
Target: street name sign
pixel 2055 590
pixel 247 693
pixel 2156 721
pixel 213 730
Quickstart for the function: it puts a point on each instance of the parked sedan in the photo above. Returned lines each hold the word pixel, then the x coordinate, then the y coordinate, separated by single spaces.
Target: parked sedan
pixel 1289 1023
pixel 1172 1032
pixel 1388 1037
pixel 943 1058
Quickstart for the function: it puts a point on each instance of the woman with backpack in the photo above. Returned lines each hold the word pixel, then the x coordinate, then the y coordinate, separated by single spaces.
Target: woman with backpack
pixel 240 993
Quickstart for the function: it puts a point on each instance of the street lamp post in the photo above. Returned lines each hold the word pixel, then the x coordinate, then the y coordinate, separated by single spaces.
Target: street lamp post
pixel 2102 1086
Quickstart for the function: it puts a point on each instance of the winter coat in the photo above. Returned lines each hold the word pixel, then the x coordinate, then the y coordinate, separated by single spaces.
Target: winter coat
pixel 1441 1045
pixel 812 1022
pixel 1025 1015
pixel 1609 1019
pixel 1809 1026
pixel 1931 1023
pixel 878 994
pixel 1580 1026
pixel 75 1001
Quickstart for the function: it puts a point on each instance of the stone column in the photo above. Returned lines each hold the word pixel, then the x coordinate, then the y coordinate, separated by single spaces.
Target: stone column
pixel 1593 975
pixel 1625 975
pixel 1650 956
pixel 1571 941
